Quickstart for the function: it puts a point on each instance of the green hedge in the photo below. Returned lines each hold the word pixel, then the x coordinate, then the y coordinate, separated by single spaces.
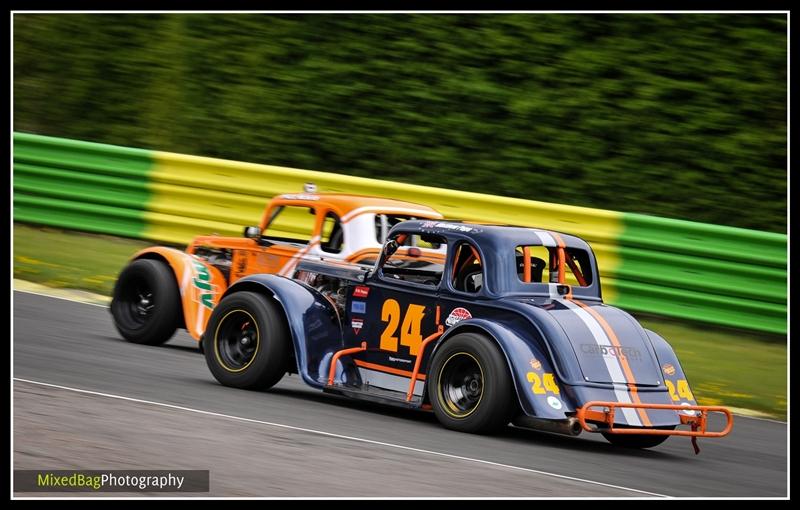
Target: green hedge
pixel 680 116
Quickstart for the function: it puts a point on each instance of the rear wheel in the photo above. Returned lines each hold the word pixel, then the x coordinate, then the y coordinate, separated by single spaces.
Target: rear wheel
pixel 246 343
pixel 470 387
pixel 637 440
pixel 146 302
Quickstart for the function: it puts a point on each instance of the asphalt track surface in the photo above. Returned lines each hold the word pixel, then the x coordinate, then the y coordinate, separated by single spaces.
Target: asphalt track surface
pixel 314 444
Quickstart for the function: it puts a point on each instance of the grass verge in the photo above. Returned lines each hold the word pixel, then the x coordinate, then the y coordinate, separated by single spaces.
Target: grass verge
pixel 741 369
pixel 729 367
pixel 68 259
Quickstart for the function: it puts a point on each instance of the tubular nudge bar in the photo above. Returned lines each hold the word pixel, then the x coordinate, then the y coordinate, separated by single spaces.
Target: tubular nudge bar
pixel 698 422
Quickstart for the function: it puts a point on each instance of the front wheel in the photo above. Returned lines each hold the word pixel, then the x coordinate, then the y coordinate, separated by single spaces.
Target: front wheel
pixel 246 342
pixel 470 386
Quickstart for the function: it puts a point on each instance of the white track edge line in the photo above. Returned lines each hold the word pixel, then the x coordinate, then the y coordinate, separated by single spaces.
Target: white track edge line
pixel 339 436
pixel 62 298
pixel 106 306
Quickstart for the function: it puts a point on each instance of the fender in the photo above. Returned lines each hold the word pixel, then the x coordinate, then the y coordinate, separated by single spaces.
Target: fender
pixel 528 365
pixel 671 370
pixel 566 327
pixel 313 322
pixel 201 285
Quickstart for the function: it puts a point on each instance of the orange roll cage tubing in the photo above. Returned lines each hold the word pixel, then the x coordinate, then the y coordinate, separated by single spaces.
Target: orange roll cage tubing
pixel 576 270
pixel 526 254
pixel 339 354
pixel 560 264
pixel 467 261
pixel 418 362
pixel 457 270
pixel 475 253
pixel 699 423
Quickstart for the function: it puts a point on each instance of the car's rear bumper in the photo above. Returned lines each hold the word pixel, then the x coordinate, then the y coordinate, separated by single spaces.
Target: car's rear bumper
pixel 597 416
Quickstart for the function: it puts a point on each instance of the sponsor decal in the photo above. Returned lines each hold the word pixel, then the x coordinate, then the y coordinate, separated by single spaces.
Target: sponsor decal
pixel 688 412
pixel 536 364
pixel 401 360
pixel 202 281
pixel 361 291
pixel 457 315
pixel 359 307
pixel 452 226
pixel 301 196
pixel 241 264
pixel 611 351
pixel 428 224
pixel 553 402
pixel 668 369
pixel 357 324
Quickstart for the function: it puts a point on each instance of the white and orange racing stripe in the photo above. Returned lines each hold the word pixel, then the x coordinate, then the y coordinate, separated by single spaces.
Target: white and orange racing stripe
pixel 604 336
pixel 287 268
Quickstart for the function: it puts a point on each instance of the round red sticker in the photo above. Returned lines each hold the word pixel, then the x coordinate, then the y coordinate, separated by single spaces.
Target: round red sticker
pixel 458 315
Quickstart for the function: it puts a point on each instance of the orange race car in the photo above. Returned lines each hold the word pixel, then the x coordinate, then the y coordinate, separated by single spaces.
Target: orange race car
pixel 163 288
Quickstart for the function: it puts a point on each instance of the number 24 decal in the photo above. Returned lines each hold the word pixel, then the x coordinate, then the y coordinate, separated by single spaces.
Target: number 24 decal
pixel 410 334
pixel 542 385
pixel 683 390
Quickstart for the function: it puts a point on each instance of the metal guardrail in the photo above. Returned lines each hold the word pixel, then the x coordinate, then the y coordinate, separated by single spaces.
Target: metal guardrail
pixel 723 275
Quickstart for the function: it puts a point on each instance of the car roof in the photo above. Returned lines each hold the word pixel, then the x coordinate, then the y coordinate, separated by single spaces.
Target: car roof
pixel 495 235
pixel 349 205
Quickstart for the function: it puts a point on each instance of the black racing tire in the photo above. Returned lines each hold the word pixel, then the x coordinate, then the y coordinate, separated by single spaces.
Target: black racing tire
pixel 247 343
pixel 470 386
pixel 636 440
pixel 146 302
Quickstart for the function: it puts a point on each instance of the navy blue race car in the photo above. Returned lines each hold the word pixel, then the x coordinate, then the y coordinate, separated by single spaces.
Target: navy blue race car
pixel 485 325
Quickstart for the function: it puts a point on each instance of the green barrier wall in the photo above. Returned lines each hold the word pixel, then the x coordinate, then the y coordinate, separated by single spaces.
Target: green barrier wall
pixel 81 185
pixel 722 275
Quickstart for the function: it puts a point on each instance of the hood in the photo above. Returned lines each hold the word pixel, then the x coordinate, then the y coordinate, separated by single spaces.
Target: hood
pixel 610 346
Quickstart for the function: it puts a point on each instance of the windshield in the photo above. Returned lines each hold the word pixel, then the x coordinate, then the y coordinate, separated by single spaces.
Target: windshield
pixel 404 261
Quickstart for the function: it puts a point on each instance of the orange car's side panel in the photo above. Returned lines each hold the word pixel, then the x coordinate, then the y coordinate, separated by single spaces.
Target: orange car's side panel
pixel 200 285
pixel 248 257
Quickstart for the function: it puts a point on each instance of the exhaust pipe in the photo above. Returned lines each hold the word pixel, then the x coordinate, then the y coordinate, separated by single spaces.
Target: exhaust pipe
pixel 569 427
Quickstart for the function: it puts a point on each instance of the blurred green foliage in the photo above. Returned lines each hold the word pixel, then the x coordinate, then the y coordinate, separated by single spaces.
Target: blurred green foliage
pixel 680 116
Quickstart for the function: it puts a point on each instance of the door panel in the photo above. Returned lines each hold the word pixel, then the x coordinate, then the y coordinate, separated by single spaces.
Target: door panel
pixel 393 322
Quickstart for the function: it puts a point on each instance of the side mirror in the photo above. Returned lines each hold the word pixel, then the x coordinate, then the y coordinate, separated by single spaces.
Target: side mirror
pixel 252 232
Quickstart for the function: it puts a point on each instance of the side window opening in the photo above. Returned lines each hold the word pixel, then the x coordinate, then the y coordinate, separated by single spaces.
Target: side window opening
pixel 467 269
pixel 332 236
pixel 540 263
pixel 403 260
pixel 578 271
